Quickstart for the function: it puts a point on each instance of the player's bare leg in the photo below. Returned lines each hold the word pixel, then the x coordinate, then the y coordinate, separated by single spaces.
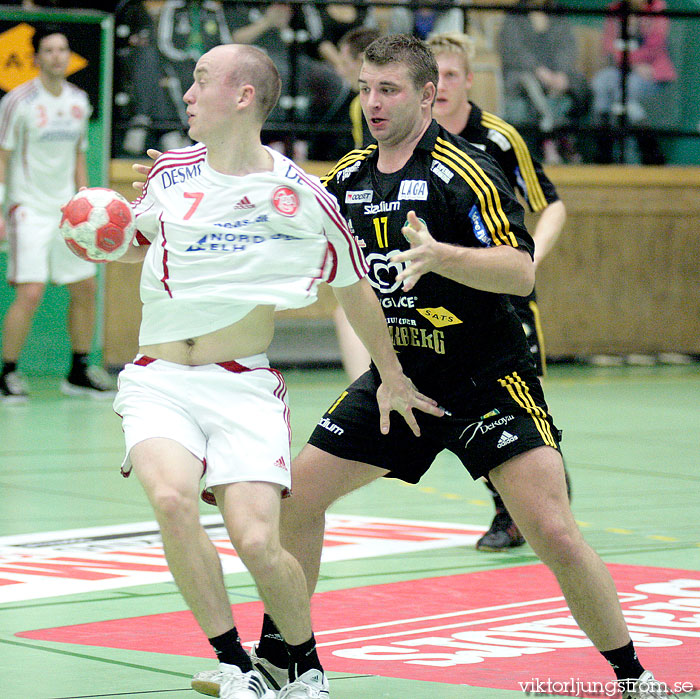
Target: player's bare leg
pixel 316 488
pixel 18 319
pixel 251 514
pixel 170 476
pixel 533 488
pixel 82 378
pixel 81 314
pixel 16 326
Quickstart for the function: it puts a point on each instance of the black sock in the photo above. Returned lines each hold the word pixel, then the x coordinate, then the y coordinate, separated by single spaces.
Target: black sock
pixel 79 363
pixel 272 646
pixel 624 662
pixel 302 658
pixel 8 368
pixel 229 650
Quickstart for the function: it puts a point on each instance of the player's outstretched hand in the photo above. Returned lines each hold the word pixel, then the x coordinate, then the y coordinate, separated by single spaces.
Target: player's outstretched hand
pixel 404 397
pixel 423 257
pixel 153 154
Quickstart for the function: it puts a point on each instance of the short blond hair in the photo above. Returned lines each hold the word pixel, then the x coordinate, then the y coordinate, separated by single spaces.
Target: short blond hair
pixel 453 42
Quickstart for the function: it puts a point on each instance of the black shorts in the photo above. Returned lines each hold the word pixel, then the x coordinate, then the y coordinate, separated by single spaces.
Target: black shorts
pixel 501 418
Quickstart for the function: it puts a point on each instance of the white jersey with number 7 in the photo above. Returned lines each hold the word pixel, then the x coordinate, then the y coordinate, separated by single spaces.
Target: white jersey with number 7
pixel 221 244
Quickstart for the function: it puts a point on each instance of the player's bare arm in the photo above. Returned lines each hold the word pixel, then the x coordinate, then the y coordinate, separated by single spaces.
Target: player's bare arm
pixel 548 228
pixel 81 175
pixel 500 270
pixel 396 391
pixel 135 253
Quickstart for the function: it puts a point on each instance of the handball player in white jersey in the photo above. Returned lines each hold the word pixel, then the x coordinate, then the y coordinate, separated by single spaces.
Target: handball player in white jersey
pixel 229 231
pixel 43 141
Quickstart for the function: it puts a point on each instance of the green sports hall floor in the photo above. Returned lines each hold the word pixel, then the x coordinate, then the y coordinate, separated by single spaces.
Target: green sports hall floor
pixel 406 606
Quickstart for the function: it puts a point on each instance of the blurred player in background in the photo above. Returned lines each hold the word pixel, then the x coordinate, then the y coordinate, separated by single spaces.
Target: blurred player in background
pixel 230 230
pixel 43 127
pixel 453 52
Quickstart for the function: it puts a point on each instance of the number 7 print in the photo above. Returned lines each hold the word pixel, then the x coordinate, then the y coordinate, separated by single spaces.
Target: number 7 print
pixel 197 196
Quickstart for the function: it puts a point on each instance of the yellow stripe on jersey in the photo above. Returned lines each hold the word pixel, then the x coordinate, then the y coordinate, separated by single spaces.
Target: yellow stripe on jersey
pixel 520 393
pixel 348 159
pixel 535 194
pixel 491 209
pixel 534 308
pixel 337 403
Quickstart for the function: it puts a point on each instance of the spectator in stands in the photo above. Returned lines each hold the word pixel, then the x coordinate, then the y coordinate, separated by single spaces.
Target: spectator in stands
pixel 326 25
pixel 287 34
pixel 167 40
pixel 185 31
pixel 420 22
pixel 542 85
pixel 144 101
pixel 650 69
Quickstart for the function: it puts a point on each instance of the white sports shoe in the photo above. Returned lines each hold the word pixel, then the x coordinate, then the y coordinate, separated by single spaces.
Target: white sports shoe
pixel 230 682
pixel 646 687
pixel 311 685
pixel 275 677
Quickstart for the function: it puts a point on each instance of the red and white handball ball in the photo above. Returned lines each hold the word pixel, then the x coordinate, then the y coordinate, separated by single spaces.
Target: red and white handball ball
pixel 98 224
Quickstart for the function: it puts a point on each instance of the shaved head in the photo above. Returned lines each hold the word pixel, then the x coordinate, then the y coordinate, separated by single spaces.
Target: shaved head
pixel 248 65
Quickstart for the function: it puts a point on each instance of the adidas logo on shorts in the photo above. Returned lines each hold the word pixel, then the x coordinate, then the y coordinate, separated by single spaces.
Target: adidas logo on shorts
pixel 281 464
pixel 505 438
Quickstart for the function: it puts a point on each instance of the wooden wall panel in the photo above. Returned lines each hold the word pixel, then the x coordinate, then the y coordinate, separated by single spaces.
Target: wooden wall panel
pixel 624 277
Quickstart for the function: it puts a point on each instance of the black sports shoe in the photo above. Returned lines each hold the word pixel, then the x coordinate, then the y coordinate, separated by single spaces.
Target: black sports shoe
pixel 93 381
pixel 13 388
pixel 503 534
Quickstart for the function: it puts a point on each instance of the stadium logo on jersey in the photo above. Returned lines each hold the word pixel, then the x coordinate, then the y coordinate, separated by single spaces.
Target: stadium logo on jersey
pixel 382 207
pixel 244 203
pixel 413 190
pixel 383 271
pixel 346 172
pixel 175 175
pixel 444 173
pixel 439 317
pixel 285 201
pixel 330 426
pixel 478 226
pixel 359 197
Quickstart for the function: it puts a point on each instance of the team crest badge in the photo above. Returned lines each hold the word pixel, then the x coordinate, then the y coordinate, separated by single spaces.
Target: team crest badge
pixel 285 201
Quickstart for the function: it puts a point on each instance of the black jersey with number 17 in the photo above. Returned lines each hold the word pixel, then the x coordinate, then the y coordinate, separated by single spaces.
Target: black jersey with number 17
pixel 448 336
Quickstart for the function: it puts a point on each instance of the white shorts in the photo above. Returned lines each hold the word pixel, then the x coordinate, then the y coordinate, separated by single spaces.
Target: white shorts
pixel 38 252
pixel 232 416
